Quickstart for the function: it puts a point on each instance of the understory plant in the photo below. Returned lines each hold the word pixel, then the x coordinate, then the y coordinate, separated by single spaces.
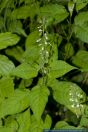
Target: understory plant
pixel 43 65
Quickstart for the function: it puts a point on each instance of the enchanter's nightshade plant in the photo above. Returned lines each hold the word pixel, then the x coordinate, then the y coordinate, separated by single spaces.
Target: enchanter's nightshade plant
pixel 43 65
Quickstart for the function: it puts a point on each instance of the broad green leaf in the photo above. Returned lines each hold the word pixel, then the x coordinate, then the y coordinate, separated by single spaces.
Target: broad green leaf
pixel 55 52
pixel 15 104
pixel 81 18
pixel 25 83
pixel 84 121
pixel 38 100
pixel 81 60
pixel 59 68
pixel 81 26
pixel 53 13
pixel 24 121
pixel 6 87
pixel 80 6
pixel 32 55
pixel 32 39
pixel 8 39
pixel 60 124
pixel 15 26
pixel 36 125
pixel 25 11
pixel 11 122
pixel 6 66
pixel 15 52
pixel 47 122
pixel 69 94
pixel 25 71
pixel 63 125
pixel 81 32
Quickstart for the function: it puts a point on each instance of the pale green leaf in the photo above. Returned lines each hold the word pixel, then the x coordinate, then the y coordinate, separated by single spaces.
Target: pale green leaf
pixel 25 83
pixel 64 125
pixel 36 125
pixel 53 13
pixel 24 121
pixel 81 60
pixel 69 94
pixel 6 66
pixel 32 55
pixel 25 11
pixel 11 122
pixel 38 100
pixel 81 18
pixel 32 39
pixel 15 104
pixel 6 87
pixel 8 39
pixel 84 121
pixel 25 71
pixel 59 68
pixel 47 122
pixel 81 32
pixel 81 26
pixel 80 6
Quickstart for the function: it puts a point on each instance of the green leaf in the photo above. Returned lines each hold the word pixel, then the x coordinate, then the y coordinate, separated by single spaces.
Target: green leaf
pixel 69 50
pixel 15 104
pixel 53 13
pixel 8 39
pixel 32 55
pixel 38 99
pixel 6 87
pixel 81 26
pixel 68 94
pixel 25 83
pixel 63 125
pixel 81 60
pixel 15 26
pixel 36 125
pixel 6 66
pixel 24 121
pixel 59 68
pixel 15 52
pixel 84 121
pixel 80 6
pixel 11 122
pixel 25 11
pixel 25 71
pixel 47 122
pixel 32 39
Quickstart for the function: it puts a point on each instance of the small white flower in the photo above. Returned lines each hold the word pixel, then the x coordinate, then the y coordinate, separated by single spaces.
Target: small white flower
pixel 72 106
pixel 38 40
pixel 40 30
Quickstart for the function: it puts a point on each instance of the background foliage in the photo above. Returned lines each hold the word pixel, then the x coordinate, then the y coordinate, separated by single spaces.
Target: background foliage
pixel 43 65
